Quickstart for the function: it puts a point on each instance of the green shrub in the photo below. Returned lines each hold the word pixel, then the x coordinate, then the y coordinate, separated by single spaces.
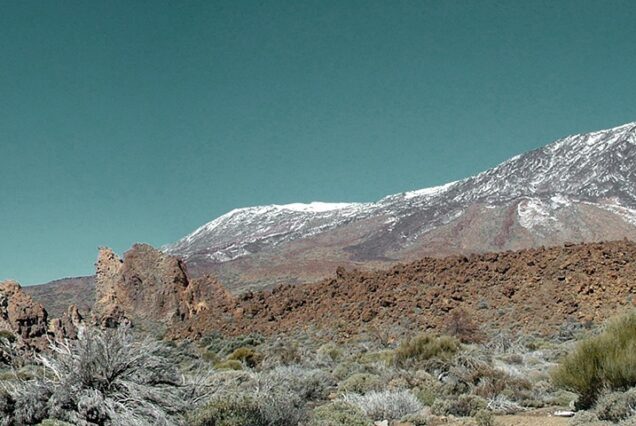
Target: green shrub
pixel 236 410
pixel 230 364
pixel 267 407
pixel 427 396
pixel 339 413
pixel 426 347
pixel 247 356
pixel 361 383
pixel 606 361
pixel 330 351
pixel 484 418
pixel 8 336
pixel 348 368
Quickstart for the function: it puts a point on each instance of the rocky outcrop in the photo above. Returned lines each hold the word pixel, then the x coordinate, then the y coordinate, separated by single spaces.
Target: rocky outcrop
pixel 150 286
pixel 20 315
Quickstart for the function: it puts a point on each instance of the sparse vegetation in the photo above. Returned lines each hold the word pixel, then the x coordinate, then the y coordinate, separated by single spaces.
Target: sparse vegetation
pixel 291 380
pixel 104 377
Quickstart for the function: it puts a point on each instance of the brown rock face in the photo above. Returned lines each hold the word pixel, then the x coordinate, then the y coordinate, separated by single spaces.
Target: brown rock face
pixel 21 315
pixel 148 285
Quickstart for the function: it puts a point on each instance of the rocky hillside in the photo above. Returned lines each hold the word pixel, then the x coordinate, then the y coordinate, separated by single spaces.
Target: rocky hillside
pixel 58 295
pixel 534 290
pixel 580 188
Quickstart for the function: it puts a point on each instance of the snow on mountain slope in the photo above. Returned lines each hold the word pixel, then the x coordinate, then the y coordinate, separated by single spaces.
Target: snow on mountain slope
pixel 242 231
pixel 579 187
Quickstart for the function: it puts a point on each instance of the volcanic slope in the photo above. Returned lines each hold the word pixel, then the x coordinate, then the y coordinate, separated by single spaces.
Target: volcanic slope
pixel 581 188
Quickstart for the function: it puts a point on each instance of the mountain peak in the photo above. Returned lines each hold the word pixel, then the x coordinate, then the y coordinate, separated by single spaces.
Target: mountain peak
pixel 578 188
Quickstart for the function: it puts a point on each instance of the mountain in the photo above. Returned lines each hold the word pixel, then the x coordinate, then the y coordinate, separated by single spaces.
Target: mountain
pixel 579 188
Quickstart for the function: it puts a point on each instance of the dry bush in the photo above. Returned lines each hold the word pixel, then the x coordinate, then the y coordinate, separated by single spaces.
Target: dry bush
pixel 386 405
pixel 104 377
pixel 461 324
pixel 616 406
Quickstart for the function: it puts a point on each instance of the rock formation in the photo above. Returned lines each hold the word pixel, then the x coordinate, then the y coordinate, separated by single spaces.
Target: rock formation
pixel 20 315
pixel 150 286
pixel 67 326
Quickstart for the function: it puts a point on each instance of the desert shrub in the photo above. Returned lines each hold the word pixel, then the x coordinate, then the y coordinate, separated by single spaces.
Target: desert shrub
pixel 501 404
pixel 606 361
pixel 484 418
pixel 421 418
pixel 266 407
pixel 246 356
pixel 231 410
pixel 223 346
pixel 386 357
pixel 106 377
pixel 339 413
pixel 8 336
pixel 346 369
pixel 426 347
pixel 427 395
pixel 385 405
pixel 330 352
pixel 211 357
pixel 460 324
pixel 284 351
pixel 616 406
pixel 361 383
pixel 308 384
pixel 464 406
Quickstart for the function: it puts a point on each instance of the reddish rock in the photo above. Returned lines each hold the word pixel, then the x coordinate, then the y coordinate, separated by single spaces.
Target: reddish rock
pixel 21 315
pixel 150 286
pixel 512 290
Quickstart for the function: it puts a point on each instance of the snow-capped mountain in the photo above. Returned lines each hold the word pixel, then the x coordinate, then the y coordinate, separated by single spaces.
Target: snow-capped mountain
pixel 580 188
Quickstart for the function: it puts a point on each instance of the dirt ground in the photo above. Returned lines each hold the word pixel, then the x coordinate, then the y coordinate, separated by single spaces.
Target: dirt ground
pixel 542 417
pixel 531 420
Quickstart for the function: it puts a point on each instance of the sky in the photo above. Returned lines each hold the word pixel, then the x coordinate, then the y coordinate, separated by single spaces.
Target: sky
pixel 124 122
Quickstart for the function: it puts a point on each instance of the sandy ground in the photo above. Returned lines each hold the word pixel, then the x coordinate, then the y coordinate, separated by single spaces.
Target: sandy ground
pixel 531 421
pixel 541 417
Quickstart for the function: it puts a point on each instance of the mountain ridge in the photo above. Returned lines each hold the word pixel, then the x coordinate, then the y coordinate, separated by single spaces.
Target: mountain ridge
pixel 580 188
pixel 562 187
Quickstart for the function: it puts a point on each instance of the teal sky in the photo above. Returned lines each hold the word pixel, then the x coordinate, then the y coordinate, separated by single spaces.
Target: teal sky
pixel 127 121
